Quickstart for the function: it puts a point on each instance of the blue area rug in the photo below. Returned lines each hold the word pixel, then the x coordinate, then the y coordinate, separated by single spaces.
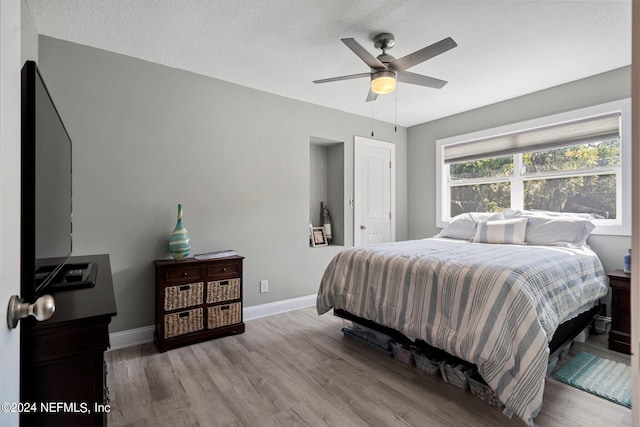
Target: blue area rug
pixel 605 378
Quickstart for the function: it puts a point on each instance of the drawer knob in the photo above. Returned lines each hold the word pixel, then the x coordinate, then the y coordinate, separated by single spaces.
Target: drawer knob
pixel 185 274
pixel 224 268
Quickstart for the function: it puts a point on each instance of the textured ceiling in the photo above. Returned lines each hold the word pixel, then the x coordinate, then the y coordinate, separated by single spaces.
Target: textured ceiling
pixel 506 48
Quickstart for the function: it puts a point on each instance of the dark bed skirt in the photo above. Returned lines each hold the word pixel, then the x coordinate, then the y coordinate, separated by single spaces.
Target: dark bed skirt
pixel 565 333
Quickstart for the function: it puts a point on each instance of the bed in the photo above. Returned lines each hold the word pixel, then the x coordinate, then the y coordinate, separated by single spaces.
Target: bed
pixel 497 306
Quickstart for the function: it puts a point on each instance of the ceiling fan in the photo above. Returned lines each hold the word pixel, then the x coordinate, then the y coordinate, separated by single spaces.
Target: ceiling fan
pixel 386 70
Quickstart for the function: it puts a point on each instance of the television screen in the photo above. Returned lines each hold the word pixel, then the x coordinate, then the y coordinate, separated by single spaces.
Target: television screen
pixel 53 180
pixel 46 186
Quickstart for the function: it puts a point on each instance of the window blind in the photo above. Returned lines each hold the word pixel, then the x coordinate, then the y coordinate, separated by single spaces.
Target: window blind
pixel 582 131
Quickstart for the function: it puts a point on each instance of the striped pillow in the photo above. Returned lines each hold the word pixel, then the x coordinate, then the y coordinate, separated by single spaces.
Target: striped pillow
pixel 511 231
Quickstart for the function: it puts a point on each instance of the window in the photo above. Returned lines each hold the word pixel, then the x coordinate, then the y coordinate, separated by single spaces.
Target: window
pixel 573 162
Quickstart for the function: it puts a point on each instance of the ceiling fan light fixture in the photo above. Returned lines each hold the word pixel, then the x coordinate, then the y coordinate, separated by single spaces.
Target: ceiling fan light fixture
pixel 383 82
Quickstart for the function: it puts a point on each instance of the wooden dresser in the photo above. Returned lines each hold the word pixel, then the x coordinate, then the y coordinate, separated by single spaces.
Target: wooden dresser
pixel 62 368
pixel 620 334
pixel 197 300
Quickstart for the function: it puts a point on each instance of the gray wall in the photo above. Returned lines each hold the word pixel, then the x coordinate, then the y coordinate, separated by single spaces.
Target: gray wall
pixel 335 170
pixel 318 180
pixel 327 185
pixel 421 191
pixel 147 137
pixel 28 35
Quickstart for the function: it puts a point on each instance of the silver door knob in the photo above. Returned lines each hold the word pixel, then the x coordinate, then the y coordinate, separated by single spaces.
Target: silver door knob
pixel 42 309
pixel 363 227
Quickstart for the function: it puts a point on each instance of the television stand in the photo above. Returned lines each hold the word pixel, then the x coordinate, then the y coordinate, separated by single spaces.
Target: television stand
pixel 62 358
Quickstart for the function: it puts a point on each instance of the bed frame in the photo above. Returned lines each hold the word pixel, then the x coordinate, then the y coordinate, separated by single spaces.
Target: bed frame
pixel 565 333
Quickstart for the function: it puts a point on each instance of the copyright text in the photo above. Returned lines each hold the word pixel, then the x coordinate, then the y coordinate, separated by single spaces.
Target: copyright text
pixel 54 407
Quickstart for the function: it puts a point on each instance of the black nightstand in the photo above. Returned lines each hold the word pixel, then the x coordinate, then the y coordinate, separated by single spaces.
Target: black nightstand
pixel 620 334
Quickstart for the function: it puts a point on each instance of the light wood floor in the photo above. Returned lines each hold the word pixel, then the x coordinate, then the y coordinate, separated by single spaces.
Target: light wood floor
pixel 297 369
pixel 598 346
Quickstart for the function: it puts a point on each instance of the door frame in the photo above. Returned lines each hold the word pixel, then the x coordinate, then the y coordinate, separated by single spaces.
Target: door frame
pixel 10 65
pixel 635 226
pixel 358 143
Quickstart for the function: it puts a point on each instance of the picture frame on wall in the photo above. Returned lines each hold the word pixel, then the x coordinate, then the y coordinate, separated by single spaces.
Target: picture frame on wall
pixel 319 237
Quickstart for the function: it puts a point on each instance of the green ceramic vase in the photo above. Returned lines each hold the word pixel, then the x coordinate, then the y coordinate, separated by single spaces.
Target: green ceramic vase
pixel 179 242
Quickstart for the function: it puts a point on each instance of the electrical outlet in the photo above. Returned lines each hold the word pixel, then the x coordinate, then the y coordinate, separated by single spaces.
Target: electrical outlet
pixel 264 286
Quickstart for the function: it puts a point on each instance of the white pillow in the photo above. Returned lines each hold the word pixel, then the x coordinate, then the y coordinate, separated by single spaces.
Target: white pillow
pixel 510 231
pixel 554 228
pixel 515 213
pixel 463 226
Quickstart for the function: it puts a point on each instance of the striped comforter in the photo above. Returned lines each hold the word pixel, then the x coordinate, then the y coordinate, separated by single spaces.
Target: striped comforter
pixel 496 306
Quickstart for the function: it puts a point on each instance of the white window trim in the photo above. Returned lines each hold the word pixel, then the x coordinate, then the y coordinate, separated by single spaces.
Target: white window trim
pixel 620 226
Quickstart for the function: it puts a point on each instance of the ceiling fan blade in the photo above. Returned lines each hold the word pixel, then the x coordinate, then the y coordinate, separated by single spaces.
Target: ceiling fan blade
pixel 419 79
pixel 350 76
pixel 372 96
pixel 423 54
pixel 364 54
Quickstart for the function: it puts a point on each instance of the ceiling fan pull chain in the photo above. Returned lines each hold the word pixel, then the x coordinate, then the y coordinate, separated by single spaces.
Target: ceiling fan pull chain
pixel 372 119
pixel 395 106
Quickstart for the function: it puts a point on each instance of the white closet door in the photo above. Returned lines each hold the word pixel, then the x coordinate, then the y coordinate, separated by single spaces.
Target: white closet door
pixel 374 196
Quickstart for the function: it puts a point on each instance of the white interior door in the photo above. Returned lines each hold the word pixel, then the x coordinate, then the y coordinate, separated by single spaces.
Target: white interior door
pixel 9 204
pixel 374 191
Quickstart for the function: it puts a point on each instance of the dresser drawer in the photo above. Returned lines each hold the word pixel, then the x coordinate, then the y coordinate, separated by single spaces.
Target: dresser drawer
pixel 183 274
pixel 182 296
pixel 223 290
pixel 223 315
pixel 621 310
pixel 223 269
pixel 183 322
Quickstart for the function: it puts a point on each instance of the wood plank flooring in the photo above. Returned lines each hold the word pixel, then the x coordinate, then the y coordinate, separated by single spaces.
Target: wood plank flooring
pixel 296 369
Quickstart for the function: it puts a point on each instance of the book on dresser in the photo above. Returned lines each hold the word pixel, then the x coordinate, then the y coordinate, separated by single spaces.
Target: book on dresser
pixel 197 300
pixel 217 254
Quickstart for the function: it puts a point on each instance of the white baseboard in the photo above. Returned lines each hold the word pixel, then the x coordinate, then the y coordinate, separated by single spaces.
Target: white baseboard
pixel 131 337
pixel 144 334
pixel 271 308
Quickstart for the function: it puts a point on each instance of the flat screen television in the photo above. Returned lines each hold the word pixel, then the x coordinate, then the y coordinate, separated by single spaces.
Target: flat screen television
pixel 46 189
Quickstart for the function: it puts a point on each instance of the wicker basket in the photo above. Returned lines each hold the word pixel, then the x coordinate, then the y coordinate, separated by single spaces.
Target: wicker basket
pixel 223 315
pixel 181 296
pixel 454 372
pixel 428 361
pixel 223 290
pixel 378 339
pixel 183 322
pixel 480 389
pixel 403 352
